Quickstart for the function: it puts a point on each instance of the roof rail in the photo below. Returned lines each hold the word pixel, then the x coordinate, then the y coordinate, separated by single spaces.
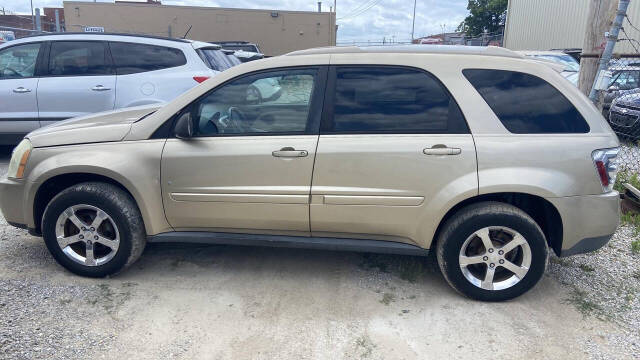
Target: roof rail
pixel 114 34
pixel 412 49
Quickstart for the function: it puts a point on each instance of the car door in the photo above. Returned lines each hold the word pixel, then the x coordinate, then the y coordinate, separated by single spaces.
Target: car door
pixel 248 166
pixel 18 84
pixel 79 81
pixel 394 150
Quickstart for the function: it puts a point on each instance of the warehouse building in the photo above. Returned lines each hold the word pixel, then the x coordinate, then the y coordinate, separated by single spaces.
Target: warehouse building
pixel 558 24
pixel 275 31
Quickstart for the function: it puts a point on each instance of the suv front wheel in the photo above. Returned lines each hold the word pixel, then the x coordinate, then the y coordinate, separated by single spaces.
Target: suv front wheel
pixel 93 229
pixel 492 251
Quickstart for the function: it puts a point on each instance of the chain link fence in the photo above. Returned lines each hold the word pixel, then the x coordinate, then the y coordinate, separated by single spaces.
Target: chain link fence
pixel 620 103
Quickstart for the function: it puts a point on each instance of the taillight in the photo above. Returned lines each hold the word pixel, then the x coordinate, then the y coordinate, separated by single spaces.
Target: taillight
pixel 200 79
pixel 606 166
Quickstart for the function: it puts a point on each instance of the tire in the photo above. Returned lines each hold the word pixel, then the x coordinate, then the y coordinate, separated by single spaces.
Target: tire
pixel 122 229
pixel 461 241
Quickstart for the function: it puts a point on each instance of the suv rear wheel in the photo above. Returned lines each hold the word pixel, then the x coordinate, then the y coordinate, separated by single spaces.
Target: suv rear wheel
pixel 93 229
pixel 492 251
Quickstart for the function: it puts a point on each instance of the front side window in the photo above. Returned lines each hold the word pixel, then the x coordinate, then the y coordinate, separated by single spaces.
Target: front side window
pixel 78 58
pixel 265 103
pixel 526 104
pixel 19 61
pixel 131 58
pixel 392 100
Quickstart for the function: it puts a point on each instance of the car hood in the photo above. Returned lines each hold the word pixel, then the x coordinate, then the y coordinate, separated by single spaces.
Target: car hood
pixel 99 127
pixel 629 98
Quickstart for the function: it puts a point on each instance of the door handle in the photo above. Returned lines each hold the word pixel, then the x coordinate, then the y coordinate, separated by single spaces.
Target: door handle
pixel 21 90
pixel 100 88
pixel 288 151
pixel 441 150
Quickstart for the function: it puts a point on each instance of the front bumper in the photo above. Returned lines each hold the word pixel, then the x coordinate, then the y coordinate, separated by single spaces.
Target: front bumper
pixel 588 221
pixel 12 202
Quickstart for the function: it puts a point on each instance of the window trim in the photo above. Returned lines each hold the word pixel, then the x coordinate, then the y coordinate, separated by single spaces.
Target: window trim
pixel 115 66
pixel 45 63
pixel 313 117
pixel 39 60
pixel 584 118
pixel 330 94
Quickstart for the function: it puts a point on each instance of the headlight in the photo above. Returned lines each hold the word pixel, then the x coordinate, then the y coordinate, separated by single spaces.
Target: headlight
pixel 19 159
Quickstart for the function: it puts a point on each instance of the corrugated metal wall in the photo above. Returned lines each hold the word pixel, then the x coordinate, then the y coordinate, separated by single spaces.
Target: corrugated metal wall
pixel 551 24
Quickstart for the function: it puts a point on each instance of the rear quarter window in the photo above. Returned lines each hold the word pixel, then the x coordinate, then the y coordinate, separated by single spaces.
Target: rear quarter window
pixel 526 104
pixel 131 58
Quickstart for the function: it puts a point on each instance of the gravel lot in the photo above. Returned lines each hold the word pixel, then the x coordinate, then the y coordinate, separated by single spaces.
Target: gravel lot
pixel 225 302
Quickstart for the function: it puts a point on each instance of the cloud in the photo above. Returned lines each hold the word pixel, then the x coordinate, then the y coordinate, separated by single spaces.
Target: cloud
pixel 389 19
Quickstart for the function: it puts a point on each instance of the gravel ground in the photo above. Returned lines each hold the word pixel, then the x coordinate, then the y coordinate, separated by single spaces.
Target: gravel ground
pixel 225 302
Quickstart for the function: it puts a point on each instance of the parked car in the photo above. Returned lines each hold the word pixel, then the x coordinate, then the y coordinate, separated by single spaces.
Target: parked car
pixel 571 71
pixel 48 78
pixel 6 36
pixel 624 115
pixel 246 56
pixel 487 159
pixel 624 79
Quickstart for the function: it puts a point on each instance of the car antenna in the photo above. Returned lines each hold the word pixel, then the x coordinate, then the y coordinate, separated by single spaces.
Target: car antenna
pixel 185 34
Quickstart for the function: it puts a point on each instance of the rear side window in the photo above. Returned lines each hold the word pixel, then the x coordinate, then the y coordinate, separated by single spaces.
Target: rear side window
pixel 78 58
pixel 131 58
pixel 215 59
pixel 392 100
pixel 526 104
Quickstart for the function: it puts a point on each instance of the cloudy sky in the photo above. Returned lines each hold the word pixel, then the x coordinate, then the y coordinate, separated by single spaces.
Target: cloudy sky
pixel 358 20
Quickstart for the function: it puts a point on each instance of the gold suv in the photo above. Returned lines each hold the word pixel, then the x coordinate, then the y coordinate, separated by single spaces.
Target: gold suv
pixel 486 157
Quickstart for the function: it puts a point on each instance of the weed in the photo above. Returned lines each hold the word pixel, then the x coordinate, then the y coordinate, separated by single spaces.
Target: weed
pixel 579 299
pixel 587 268
pixel 388 298
pixel 366 344
pixel 559 261
pixel 635 246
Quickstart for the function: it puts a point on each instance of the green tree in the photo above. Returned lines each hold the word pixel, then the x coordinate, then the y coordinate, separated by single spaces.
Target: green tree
pixel 484 15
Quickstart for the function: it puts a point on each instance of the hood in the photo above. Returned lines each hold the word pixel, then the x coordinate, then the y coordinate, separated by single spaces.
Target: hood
pixel 99 127
pixel 629 98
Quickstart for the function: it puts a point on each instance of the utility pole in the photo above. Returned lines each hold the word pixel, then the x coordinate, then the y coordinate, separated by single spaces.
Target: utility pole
pixel 598 22
pixel 33 19
pixel 611 43
pixel 38 25
pixel 413 23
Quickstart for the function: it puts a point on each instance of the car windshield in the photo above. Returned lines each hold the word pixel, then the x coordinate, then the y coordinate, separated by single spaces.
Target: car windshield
pixel 563 59
pixel 625 79
pixel 215 59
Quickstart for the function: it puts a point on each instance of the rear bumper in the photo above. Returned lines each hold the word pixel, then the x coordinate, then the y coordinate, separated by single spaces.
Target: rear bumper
pixel 588 221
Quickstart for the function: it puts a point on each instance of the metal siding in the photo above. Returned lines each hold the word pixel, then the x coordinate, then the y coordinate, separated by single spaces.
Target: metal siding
pixel 546 24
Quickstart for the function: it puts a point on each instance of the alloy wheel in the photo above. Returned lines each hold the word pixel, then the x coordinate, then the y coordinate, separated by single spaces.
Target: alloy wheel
pixel 495 258
pixel 87 235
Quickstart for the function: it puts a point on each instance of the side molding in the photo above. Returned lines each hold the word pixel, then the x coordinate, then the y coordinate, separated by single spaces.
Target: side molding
pixel 300 242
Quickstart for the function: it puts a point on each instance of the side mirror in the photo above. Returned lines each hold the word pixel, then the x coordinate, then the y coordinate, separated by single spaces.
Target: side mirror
pixel 184 126
pixel 613 88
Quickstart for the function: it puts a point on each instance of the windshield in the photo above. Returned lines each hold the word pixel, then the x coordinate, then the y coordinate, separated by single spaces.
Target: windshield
pixel 625 79
pixel 215 59
pixel 565 60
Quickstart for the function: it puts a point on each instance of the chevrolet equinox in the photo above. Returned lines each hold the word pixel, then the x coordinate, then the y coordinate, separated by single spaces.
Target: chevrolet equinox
pixel 490 159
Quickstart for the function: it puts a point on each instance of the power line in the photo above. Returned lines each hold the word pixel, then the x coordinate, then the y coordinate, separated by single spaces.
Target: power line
pixel 357 8
pixel 362 11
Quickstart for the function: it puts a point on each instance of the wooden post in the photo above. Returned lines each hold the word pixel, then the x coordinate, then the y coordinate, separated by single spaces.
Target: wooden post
pixel 599 20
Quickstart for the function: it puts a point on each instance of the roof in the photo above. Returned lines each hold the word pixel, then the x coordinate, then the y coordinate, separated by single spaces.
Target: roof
pixel 107 33
pixel 412 49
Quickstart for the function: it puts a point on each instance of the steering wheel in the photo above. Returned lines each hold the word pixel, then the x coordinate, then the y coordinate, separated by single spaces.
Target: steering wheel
pixel 233 119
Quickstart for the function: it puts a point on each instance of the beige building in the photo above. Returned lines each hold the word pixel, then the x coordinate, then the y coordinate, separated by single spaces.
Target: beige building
pixel 557 24
pixel 275 31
